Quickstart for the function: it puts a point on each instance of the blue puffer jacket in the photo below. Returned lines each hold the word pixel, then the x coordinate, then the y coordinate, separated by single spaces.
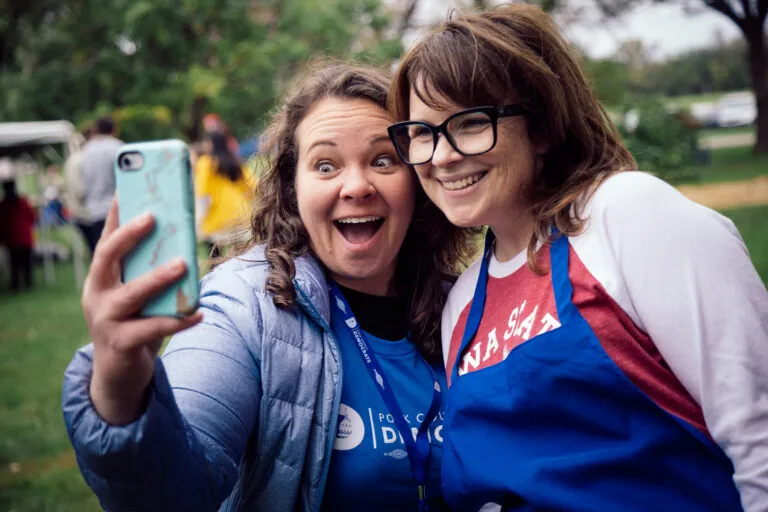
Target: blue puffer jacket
pixel 242 409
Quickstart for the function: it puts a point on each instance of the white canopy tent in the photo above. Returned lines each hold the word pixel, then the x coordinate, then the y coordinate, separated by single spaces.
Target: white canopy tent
pixel 19 141
pixel 36 133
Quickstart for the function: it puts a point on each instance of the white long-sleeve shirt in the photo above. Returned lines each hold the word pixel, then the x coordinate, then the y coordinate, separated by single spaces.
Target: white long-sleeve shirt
pixel 672 295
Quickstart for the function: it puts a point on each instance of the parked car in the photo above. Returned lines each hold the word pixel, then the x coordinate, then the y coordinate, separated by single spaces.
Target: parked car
pixel 736 109
pixel 705 113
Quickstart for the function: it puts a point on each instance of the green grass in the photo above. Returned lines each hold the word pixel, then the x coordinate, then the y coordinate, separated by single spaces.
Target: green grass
pixel 39 332
pixel 753 225
pixel 53 490
pixel 729 164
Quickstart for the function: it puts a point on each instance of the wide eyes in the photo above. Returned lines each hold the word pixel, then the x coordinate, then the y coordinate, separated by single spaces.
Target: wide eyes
pixel 384 161
pixel 325 167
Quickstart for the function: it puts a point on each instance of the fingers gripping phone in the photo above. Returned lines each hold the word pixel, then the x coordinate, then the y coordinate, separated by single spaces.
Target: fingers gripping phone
pixel 156 177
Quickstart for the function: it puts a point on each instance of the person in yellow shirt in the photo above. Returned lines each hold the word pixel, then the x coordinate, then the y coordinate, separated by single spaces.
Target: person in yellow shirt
pixel 223 193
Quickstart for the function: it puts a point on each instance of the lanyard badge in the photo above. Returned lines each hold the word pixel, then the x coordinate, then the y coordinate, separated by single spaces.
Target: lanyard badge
pixel 417 449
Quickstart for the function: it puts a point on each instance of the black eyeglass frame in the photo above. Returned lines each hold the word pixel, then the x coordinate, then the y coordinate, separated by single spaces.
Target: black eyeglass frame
pixel 493 113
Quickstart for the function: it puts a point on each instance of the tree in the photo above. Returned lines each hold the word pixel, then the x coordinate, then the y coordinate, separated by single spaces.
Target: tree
pixel 718 68
pixel 749 16
pixel 632 73
pixel 610 79
pixel 171 61
pixel 406 18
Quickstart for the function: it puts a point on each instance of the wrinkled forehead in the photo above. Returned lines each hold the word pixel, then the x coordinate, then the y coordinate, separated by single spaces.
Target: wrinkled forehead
pixel 344 122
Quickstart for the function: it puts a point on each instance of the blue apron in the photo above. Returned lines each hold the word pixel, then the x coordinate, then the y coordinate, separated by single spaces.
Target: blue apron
pixel 557 426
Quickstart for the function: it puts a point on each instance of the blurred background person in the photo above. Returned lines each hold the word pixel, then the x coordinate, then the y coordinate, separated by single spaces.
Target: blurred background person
pixel 196 150
pixel 223 192
pixel 98 175
pixel 17 224
pixel 74 187
pixel 213 123
pixel 53 208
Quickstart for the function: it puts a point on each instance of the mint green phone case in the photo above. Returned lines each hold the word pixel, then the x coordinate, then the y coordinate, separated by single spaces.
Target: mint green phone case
pixel 163 187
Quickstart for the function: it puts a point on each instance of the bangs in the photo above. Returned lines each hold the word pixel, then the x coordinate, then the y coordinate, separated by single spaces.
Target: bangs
pixel 443 73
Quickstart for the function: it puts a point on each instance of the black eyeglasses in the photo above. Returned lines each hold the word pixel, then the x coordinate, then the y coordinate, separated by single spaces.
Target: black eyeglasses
pixel 471 132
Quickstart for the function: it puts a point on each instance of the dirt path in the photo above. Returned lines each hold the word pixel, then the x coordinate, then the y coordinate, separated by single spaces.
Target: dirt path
pixel 752 192
pixel 729 140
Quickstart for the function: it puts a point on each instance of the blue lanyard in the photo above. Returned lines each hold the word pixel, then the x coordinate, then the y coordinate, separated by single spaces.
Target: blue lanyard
pixel 418 449
pixel 478 304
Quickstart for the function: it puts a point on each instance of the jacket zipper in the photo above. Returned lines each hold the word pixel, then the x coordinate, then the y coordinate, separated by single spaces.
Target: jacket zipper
pixel 336 397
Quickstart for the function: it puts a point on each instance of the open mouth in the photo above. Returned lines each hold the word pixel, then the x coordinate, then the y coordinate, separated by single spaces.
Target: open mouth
pixel 358 230
pixel 463 183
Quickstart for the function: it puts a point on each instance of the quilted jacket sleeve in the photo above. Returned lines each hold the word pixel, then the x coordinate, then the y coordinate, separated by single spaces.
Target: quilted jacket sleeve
pixel 183 452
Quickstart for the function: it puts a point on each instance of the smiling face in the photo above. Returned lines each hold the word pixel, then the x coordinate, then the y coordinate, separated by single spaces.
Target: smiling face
pixel 487 189
pixel 355 197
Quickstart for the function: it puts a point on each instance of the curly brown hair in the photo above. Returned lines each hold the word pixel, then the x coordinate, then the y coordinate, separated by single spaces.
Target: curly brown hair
pixel 433 249
pixel 516 54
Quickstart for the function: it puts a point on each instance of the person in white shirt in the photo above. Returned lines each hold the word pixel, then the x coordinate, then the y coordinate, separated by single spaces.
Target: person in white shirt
pixel 74 187
pixel 99 175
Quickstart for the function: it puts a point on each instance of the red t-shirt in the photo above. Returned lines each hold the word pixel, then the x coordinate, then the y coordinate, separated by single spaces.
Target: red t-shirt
pixel 17 223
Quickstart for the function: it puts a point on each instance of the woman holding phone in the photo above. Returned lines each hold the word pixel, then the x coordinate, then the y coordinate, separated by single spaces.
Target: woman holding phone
pixel 609 351
pixel 276 394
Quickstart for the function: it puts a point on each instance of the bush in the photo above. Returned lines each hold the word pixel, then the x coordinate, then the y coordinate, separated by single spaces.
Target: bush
pixel 145 122
pixel 139 122
pixel 661 143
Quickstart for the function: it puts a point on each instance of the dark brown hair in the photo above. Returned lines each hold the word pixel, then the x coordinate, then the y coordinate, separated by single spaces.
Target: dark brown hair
pixel 516 54
pixel 433 248
pixel 226 163
pixel 105 125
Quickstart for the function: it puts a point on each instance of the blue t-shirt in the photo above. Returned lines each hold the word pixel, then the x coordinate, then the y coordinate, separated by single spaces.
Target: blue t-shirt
pixel 369 467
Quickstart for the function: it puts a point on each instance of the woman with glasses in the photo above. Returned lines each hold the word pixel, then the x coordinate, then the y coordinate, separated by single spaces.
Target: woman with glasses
pixel 609 351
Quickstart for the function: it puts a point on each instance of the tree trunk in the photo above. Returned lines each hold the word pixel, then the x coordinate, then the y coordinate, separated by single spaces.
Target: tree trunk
pixel 758 68
pixel 406 18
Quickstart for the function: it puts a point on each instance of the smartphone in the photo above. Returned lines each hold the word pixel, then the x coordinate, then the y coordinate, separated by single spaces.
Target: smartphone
pixel 156 177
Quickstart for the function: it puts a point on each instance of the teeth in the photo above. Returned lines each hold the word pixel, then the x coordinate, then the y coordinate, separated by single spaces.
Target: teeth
pixel 358 220
pixel 462 183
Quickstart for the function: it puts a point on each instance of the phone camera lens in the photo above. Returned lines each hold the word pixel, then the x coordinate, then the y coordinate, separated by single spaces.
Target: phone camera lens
pixel 130 161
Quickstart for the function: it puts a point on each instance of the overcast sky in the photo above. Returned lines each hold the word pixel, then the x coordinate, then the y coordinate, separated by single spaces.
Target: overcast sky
pixel 665 28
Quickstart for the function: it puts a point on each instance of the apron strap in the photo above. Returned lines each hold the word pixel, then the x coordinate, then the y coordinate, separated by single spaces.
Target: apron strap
pixel 477 306
pixel 561 282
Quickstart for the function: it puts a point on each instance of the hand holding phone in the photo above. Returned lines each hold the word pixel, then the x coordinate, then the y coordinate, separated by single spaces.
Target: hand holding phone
pixel 155 177
pixel 125 346
pixel 142 285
